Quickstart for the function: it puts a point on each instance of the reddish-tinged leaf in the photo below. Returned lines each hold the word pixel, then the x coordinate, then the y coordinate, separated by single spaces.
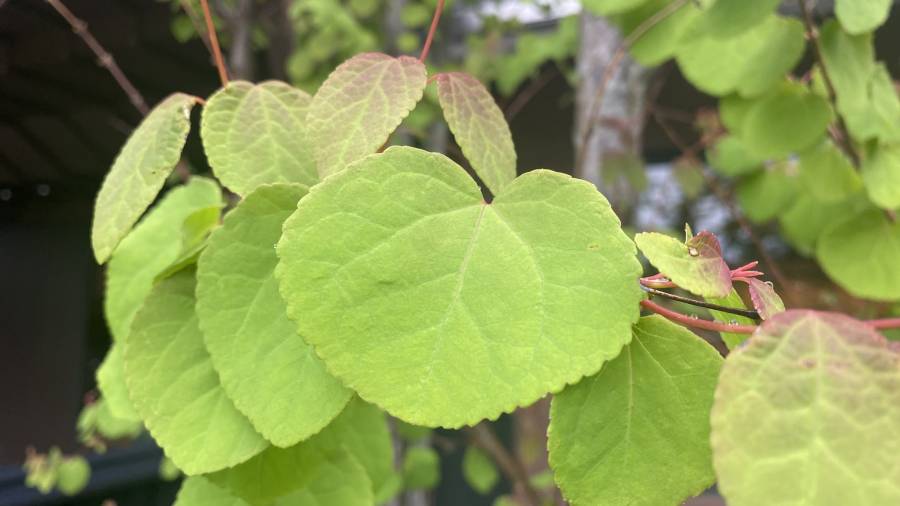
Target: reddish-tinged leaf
pixel 766 302
pixel 808 412
pixel 360 104
pixel 696 266
pixel 479 128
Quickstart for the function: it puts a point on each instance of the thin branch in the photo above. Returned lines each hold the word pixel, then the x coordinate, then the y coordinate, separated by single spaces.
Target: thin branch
pixel 433 28
pixel 525 96
pixel 613 66
pixel 198 24
pixel 885 323
pixel 214 41
pixel 693 321
pixel 812 33
pixel 747 313
pixel 484 438
pixel 104 59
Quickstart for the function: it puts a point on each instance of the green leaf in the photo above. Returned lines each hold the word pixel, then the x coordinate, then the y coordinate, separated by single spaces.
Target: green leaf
pixel 860 16
pixel 359 105
pixel 767 193
pixel 479 470
pixel 750 63
pixel 878 117
pixel 615 438
pixel 421 468
pixel 785 122
pixel 111 383
pixel 271 374
pixel 445 310
pixel 256 134
pixel 109 426
pixel 663 38
pixel 73 474
pixel 140 169
pixel 728 156
pixel 766 302
pixel 479 128
pixel 697 266
pixel 881 174
pixel 733 110
pixel 168 471
pixel 356 445
pixel 727 18
pixel 195 231
pixel 175 389
pixel 149 249
pixel 850 61
pixel 199 491
pixel 860 253
pixel 410 432
pixel 733 300
pixel 802 415
pixel 828 174
pixel 608 7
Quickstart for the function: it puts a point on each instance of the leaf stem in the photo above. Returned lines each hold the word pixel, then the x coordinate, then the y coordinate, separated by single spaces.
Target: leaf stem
pixel 747 313
pixel 214 42
pixel 104 58
pixel 484 438
pixel 431 30
pixel 693 321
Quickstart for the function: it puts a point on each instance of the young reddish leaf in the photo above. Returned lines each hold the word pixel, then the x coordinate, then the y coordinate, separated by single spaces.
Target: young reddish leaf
pixel 810 407
pixel 697 266
pixel 479 128
pixel 360 104
pixel 766 302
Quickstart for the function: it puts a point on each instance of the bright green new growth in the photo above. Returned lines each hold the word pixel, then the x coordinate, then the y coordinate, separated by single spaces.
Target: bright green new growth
pixel 697 266
pixel 860 253
pixel 139 172
pixel 352 457
pixel 153 246
pixel 270 373
pixel 807 413
pixel 175 389
pixel 637 433
pixel 423 299
pixel 479 128
pixel 360 104
pixel 257 134
pixel 73 475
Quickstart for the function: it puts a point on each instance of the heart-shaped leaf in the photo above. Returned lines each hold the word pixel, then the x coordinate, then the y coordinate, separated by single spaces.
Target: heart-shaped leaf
pixel 270 373
pixel 445 310
pixel 175 389
pixel 809 411
pixel 139 172
pixel 359 105
pixel 615 437
pixel 479 128
pixel 153 245
pixel 697 266
pixel 256 134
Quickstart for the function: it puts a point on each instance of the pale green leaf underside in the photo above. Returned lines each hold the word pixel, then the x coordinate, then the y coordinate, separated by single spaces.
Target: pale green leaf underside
pixel 749 63
pixel 698 272
pixel 860 16
pixel 256 134
pixel 356 443
pixel 140 169
pixel 637 432
pixel 153 245
pixel 175 389
pixel 479 128
pixel 270 373
pixel 808 413
pixel 111 383
pixel 445 310
pixel 860 253
pixel 360 104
